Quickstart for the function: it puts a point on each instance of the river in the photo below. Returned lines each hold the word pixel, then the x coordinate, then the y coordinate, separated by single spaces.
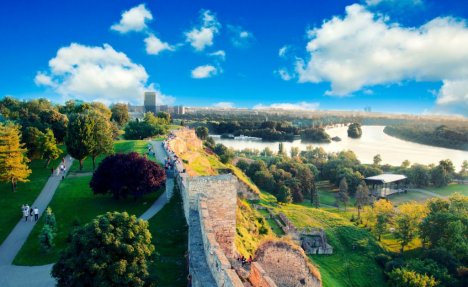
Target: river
pixel 373 141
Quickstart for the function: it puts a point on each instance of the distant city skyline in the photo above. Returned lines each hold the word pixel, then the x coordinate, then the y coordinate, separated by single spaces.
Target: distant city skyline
pixel 406 56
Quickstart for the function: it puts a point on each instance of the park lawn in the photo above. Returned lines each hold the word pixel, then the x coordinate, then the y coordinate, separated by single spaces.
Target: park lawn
pixel 450 189
pixel 347 266
pixel 120 146
pixel 389 242
pixel 411 195
pixel 73 203
pixel 26 192
pixel 169 232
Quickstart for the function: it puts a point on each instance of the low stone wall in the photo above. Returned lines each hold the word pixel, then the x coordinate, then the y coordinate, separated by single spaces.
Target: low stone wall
pixel 259 278
pixel 217 260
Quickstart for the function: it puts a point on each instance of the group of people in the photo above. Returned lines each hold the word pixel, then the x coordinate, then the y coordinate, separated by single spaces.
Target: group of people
pixel 244 260
pixel 60 170
pixel 150 150
pixel 30 212
pixel 168 163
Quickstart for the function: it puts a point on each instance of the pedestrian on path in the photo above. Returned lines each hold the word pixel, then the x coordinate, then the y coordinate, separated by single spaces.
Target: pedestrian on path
pixel 51 171
pixel 25 214
pixel 36 213
pixel 31 212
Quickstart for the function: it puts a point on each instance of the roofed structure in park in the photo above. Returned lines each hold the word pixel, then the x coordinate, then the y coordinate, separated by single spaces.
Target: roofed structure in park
pixel 386 184
pixel 386 177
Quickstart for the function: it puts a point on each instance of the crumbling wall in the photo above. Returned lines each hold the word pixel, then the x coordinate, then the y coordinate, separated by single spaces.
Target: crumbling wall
pixel 287 265
pixel 259 278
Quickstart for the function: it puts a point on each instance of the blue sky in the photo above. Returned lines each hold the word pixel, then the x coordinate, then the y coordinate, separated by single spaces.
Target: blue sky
pixel 405 56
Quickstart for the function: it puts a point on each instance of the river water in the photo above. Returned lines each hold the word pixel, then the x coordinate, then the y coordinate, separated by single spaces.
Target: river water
pixel 373 141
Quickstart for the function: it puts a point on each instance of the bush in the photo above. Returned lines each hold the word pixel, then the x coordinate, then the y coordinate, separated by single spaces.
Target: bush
pixel 382 259
pixel 46 238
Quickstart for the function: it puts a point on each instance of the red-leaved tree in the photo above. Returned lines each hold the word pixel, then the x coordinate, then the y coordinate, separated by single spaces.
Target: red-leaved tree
pixel 127 174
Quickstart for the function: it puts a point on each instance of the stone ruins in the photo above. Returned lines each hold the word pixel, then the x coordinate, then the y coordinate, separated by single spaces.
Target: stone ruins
pixel 210 204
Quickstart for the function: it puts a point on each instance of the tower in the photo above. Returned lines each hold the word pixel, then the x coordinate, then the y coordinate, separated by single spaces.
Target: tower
pixel 150 102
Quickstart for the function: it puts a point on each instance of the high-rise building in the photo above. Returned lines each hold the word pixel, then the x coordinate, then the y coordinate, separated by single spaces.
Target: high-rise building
pixel 150 102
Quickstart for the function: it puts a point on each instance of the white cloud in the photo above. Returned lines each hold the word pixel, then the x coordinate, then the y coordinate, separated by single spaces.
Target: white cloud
pixel 282 51
pixel 305 106
pixel 284 74
pixel 91 73
pixel 240 37
pixel 42 79
pixel 154 45
pixel 133 20
pixel 202 36
pixel 206 71
pixel 363 49
pixel 224 105
pixel 394 2
pixel 220 54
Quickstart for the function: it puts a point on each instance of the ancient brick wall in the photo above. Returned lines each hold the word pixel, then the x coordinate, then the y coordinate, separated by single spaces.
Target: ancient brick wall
pixel 287 265
pixel 259 278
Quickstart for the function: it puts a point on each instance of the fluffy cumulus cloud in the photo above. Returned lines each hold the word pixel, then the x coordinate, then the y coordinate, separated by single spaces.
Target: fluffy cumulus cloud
pixel 154 45
pixel 394 2
pixel 202 36
pixel 206 71
pixel 224 105
pixel 96 73
pixel 363 49
pixel 133 20
pixel 284 74
pixel 304 106
pixel 240 37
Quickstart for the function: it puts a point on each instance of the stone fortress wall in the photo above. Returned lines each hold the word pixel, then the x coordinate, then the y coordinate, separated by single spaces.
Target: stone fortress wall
pixel 210 204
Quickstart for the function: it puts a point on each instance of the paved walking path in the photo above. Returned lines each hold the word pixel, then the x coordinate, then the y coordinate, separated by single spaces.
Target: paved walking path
pixel 430 193
pixel 39 276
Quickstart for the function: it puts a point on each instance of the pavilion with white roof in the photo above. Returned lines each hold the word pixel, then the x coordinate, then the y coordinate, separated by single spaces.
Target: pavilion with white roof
pixel 386 184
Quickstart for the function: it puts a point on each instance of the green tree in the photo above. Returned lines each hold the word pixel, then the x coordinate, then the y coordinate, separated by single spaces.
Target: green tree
pixel 314 196
pixel 377 160
pixel 284 194
pixel 32 139
pixel 419 175
pixel 294 151
pixel 362 197
pixel 13 161
pixel 342 195
pixel 49 148
pixel 407 220
pixel 405 164
pixel 401 277
pixel 46 238
pixel 281 149
pixel 464 170
pixel 102 138
pixel 112 250
pixel 202 132
pixel 354 130
pixel 120 114
pixel 165 117
pixel 49 219
pixel 80 136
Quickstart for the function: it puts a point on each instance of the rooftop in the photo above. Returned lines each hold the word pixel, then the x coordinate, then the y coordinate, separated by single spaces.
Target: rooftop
pixel 387 177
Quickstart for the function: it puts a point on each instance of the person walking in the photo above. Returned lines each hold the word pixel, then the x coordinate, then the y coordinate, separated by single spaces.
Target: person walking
pixel 25 214
pixel 31 213
pixel 36 213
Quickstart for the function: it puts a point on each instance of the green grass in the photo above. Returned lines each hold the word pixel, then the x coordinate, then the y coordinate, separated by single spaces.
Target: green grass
pixel 74 201
pixel 26 192
pixel 450 189
pixel 272 223
pixel 400 198
pixel 120 146
pixel 170 238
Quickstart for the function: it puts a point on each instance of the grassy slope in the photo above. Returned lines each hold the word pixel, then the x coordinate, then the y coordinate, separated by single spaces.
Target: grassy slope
pixel 26 192
pixel 75 200
pixel 450 189
pixel 346 267
pixel 169 230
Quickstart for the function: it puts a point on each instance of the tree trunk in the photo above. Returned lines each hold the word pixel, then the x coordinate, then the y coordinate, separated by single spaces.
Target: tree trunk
pixel 81 164
pixel 47 162
pixel 94 162
pixel 359 212
pixel 13 185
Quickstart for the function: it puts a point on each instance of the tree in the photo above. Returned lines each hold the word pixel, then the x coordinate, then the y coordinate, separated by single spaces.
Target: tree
pixel 401 277
pixel 284 194
pixel 342 196
pixel 225 154
pixel 80 136
pixel 202 132
pixel 314 196
pixel 378 216
pixel 405 164
pixel 13 162
pixel 32 139
pixel 120 114
pixel 165 117
pixel 46 238
pixel 281 149
pixel 407 220
pixel 243 165
pixel 114 249
pixel 464 170
pixel 49 148
pixel 49 219
pixel 439 176
pixel 127 174
pixel 102 138
pixel 377 160
pixel 362 197
pixel 419 175
pixel 354 130
pixel 294 151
